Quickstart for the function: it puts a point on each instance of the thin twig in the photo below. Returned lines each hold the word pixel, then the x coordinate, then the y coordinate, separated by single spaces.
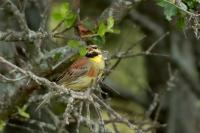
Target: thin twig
pixel 113 124
pixel 119 58
pixel 156 42
pixel 115 114
pixel 66 114
pixel 44 16
pixel 180 8
pixel 11 36
pixel 19 16
pixel 152 106
pixel 58 25
pixel 78 120
pixel 43 81
pixel 12 80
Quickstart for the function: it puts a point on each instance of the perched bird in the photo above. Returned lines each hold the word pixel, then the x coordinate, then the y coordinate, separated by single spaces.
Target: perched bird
pixel 85 71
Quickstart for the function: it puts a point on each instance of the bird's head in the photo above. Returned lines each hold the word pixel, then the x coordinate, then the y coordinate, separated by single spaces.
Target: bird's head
pixel 92 51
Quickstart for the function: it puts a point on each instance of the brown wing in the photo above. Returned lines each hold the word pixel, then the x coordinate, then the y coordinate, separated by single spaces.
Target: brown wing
pixel 77 69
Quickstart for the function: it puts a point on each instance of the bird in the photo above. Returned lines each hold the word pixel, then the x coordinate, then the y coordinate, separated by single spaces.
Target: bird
pixel 84 72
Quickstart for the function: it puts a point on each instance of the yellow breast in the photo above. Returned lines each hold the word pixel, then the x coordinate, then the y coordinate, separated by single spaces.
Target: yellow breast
pixel 98 61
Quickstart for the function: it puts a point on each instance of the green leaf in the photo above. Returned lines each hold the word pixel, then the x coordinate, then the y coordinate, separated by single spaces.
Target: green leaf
pixel 102 29
pixel 192 4
pixel 2 125
pixel 73 43
pixel 70 18
pixel 77 45
pixel 110 22
pixel 59 11
pixel 57 56
pixel 107 28
pixel 169 9
pixel 98 40
pixel 88 24
pixel 82 51
pixel 64 7
pixel 62 12
pixel 57 16
pixel 180 22
pixel 22 111
pixel 116 31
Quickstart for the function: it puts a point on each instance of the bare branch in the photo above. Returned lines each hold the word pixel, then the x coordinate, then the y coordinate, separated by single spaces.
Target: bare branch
pixel 113 124
pixel 12 80
pixel 11 36
pixel 152 106
pixel 142 54
pixel 19 16
pixel 156 42
pixel 45 82
pixel 118 9
pixel 115 114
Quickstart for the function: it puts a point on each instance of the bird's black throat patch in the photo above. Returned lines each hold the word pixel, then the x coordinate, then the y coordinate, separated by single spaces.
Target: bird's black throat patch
pixel 91 54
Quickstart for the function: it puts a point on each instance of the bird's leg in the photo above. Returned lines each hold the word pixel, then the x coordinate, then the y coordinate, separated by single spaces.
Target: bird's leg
pixel 88 92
